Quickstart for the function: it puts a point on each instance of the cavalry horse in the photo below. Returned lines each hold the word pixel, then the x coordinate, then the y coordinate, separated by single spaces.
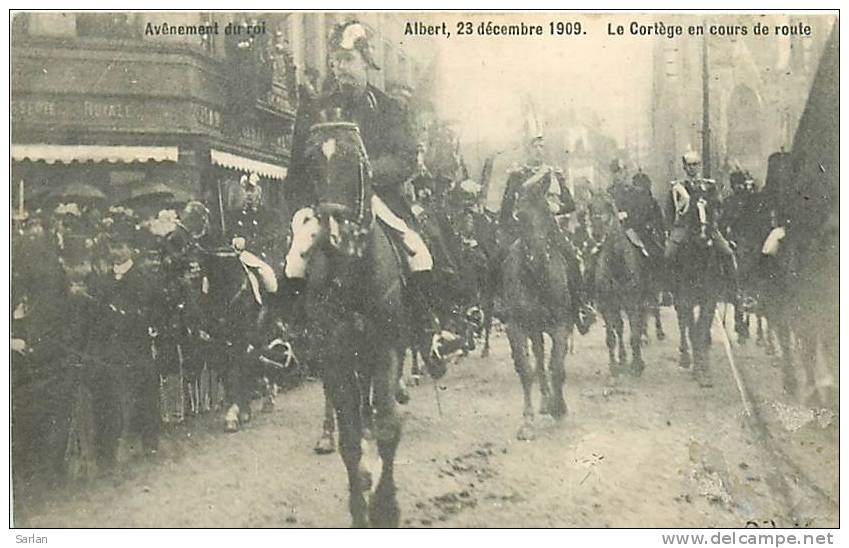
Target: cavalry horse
pixel 620 285
pixel 240 322
pixel 698 281
pixel 356 313
pixel 536 295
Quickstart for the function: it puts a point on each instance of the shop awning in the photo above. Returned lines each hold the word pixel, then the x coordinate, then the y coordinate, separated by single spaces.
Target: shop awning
pixel 233 161
pixel 93 153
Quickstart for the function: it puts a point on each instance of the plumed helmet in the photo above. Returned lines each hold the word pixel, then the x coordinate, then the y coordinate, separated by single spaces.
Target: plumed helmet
pixel 353 35
pixel 691 157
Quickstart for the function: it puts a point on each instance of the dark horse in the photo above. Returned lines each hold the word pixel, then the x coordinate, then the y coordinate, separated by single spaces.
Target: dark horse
pixel 241 327
pixel 536 294
pixel 698 281
pixel 356 314
pixel 620 285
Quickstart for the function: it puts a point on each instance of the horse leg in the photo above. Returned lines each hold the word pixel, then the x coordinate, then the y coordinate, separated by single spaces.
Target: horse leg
pixel 344 392
pixel 519 350
pixel 232 391
pixel 636 325
pixel 559 343
pixel 770 338
pixel 610 340
pixel 741 324
pixel 658 325
pixel 700 338
pixel 383 507
pixel 402 395
pixel 488 305
pixel 415 370
pixel 782 330
pixel 538 350
pixel 760 341
pixel 619 326
pixel 326 444
pixel 684 313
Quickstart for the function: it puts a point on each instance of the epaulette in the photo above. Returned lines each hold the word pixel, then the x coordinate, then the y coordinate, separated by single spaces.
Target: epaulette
pixel 558 170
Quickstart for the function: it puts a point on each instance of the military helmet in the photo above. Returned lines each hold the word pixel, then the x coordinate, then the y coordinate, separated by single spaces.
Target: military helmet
pixel 353 35
pixel 691 157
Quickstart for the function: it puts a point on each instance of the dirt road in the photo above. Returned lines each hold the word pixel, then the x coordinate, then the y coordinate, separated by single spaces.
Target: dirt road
pixel 652 452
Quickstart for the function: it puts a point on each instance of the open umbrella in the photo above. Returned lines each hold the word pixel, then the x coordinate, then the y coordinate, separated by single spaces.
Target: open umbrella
pixel 76 192
pixel 150 192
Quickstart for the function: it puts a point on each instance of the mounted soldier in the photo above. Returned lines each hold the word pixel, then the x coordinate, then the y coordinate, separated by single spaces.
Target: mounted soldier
pixel 386 133
pixel 700 262
pixel 694 209
pixel 537 177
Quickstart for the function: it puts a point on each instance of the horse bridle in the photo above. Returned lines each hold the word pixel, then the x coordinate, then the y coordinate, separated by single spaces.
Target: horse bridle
pixel 364 168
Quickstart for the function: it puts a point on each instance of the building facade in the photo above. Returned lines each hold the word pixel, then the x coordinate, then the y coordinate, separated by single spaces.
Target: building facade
pixel 194 101
pixel 757 90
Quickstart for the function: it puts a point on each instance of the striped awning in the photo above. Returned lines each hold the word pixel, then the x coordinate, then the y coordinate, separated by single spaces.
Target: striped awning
pixel 67 154
pixel 240 163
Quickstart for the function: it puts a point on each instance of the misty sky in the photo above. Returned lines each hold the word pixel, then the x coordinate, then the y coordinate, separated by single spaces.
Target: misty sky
pixel 482 79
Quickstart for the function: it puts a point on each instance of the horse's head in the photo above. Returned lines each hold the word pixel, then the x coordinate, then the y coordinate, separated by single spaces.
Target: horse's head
pixel 602 215
pixel 339 169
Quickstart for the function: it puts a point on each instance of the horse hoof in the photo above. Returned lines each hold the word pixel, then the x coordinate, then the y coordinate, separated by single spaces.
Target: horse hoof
pixel 559 409
pixel 359 523
pixel 684 361
pixel 383 511
pixel 545 407
pixel 770 350
pixel 637 367
pixel 415 380
pixel 526 433
pixel 661 336
pixel 268 406
pixel 325 444
pixel 402 396
pixel 436 368
pixel 485 352
pixel 231 419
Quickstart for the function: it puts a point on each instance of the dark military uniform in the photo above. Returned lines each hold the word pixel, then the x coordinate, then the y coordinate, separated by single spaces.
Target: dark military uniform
pixel 641 217
pixel 515 193
pixel 386 133
pixel 686 224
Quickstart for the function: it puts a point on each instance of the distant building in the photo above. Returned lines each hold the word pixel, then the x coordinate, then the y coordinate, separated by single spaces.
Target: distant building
pixel 758 88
